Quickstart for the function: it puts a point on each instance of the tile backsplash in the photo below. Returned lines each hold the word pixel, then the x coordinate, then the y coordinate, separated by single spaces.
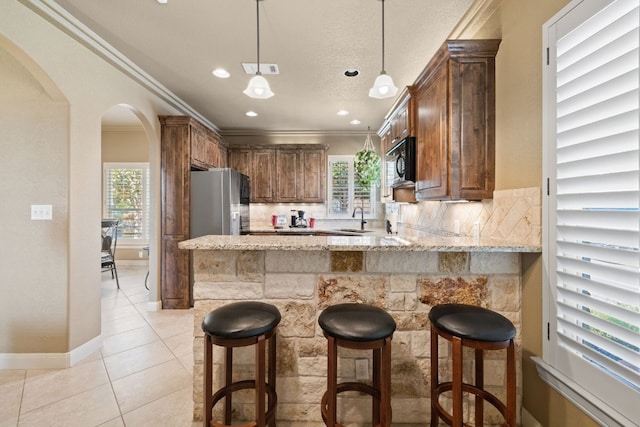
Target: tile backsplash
pixel 512 215
pixel 260 215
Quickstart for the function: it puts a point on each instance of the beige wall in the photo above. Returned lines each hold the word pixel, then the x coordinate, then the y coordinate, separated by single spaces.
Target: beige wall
pixel 52 98
pixel 33 170
pixel 124 145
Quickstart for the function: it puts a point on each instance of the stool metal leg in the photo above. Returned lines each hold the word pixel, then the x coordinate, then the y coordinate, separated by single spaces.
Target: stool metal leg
pixel 457 382
pixel 208 386
pixel 434 376
pixel 480 384
pixel 228 373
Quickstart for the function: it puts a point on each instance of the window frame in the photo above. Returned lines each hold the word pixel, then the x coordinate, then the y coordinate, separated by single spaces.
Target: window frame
pixel 146 206
pixel 598 394
pixel 369 214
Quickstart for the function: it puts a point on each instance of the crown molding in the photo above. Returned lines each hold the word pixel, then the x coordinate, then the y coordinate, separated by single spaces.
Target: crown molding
pixel 302 133
pixel 478 13
pixel 63 20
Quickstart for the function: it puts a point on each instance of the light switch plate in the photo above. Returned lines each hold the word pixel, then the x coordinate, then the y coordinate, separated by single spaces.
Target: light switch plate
pixel 42 212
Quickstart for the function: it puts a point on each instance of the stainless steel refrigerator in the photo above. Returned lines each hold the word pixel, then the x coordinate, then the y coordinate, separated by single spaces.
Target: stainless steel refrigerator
pixel 219 202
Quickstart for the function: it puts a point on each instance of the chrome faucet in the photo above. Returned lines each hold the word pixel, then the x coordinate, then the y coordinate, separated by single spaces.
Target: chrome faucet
pixel 362 221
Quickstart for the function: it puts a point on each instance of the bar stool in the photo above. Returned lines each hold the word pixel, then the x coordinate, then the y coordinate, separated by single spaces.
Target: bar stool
pixel 358 327
pixel 238 325
pixel 479 329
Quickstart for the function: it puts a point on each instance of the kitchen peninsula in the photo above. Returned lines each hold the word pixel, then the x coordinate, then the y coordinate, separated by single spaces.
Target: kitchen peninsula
pixel 302 275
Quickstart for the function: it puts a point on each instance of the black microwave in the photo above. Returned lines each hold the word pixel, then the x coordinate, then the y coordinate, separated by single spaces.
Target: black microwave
pixel 401 163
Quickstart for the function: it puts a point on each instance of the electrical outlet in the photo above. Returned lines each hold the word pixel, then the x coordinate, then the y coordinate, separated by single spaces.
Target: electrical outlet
pixel 140 254
pixel 476 229
pixel 362 369
pixel 456 226
pixel 42 212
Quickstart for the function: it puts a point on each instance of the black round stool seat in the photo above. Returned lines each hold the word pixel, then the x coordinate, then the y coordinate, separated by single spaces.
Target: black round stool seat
pixel 241 320
pixel 471 322
pixel 357 322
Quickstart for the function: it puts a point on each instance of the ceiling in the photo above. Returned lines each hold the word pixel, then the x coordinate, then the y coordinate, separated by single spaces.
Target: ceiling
pixel 312 42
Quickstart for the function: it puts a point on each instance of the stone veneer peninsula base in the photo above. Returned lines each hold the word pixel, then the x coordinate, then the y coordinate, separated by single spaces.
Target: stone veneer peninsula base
pixel 303 275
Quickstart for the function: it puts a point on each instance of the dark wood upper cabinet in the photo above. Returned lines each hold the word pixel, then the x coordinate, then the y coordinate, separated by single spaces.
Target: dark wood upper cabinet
pixel 263 177
pixel 283 173
pixel 455 122
pixel 312 175
pixel 185 144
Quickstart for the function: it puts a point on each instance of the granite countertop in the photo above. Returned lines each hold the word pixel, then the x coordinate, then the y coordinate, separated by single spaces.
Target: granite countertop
pixel 375 240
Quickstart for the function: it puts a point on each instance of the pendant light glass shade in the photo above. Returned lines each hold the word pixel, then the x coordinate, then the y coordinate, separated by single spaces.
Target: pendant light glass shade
pixel 383 86
pixel 258 86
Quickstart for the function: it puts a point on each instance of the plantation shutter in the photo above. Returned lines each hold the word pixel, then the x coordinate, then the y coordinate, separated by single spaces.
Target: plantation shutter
pixel 594 220
pixel 127 198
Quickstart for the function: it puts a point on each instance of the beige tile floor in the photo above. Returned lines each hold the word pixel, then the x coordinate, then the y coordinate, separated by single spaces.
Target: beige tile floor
pixel 142 376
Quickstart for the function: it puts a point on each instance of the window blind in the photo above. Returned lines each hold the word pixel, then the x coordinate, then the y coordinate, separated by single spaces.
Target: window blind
pixel 595 241
pixel 344 191
pixel 127 198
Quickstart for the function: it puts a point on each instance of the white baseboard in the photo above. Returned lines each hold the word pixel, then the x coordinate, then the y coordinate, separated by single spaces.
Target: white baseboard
pixel 528 420
pixel 50 360
pixel 154 306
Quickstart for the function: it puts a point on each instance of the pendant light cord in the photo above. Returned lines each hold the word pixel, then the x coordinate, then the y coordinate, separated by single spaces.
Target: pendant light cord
pixel 383 70
pixel 258 35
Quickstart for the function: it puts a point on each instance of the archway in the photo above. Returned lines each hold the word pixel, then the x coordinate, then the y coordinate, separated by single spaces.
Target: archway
pixel 127 159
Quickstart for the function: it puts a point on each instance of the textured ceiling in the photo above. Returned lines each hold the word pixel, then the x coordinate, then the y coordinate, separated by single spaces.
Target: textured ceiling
pixel 313 43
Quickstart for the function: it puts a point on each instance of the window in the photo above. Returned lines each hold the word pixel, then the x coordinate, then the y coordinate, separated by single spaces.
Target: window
pixel 345 194
pixel 591 240
pixel 126 197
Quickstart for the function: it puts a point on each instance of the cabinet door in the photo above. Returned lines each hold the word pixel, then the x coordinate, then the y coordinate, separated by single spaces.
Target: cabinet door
pixel 200 151
pixel 473 126
pixel 240 160
pixel 312 175
pixel 263 175
pixel 400 124
pixel 175 165
pixel 287 176
pixel 432 136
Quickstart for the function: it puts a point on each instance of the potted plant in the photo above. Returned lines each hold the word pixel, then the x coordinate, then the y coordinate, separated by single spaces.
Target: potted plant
pixel 367 165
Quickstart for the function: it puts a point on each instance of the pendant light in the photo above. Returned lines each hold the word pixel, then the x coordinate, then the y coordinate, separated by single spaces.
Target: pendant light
pixel 383 87
pixel 258 86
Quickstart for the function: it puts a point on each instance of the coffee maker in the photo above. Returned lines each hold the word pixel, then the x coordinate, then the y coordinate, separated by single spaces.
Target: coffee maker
pixel 298 221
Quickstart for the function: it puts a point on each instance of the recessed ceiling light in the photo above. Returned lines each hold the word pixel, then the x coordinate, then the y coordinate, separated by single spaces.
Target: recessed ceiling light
pixel 221 73
pixel 162 1
pixel 351 73
pixel 343 113
pixel 251 113
pixel 355 122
